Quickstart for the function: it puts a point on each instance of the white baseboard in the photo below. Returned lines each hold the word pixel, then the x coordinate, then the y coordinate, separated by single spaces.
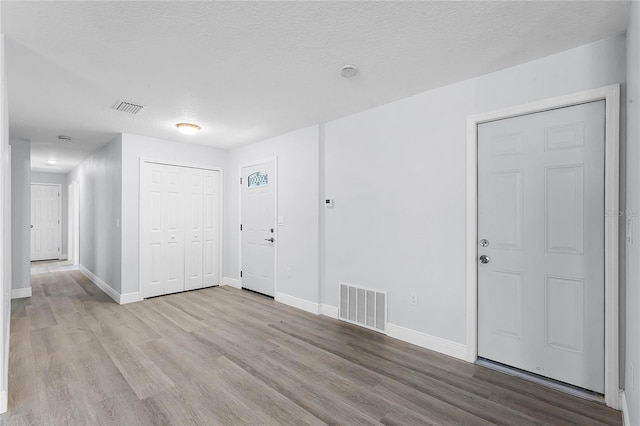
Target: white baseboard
pixel 64 256
pixel 19 293
pixel 626 421
pixel 329 311
pixel 130 298
pixel 232 282
pixel 4 401
pixel 297 302
pixel 101 284
pixel 437 344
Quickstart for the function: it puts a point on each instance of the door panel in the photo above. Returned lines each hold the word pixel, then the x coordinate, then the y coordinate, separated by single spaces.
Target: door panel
pixel 45 221
pixel 194 252
pixel 541 209
pixel 211 238
pixel 258 227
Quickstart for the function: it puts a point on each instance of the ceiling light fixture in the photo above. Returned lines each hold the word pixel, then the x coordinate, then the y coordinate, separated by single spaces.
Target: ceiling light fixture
pixel 64 138
pixel 52 162
pixel 188 128
pixel 349 70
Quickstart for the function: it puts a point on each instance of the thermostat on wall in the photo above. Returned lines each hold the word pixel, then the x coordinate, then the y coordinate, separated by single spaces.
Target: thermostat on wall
pixel 328 202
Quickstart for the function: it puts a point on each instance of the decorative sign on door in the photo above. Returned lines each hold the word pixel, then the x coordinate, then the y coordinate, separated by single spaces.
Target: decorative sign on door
pixel 257 179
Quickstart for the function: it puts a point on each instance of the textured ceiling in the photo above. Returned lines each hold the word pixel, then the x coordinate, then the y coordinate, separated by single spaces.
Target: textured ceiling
pixel 246 71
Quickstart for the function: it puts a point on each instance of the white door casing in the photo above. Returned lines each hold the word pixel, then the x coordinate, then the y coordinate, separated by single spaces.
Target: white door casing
pixel 540 217
pixel 45 221
pixel 611 94
pixel 180 221
pixel 258 195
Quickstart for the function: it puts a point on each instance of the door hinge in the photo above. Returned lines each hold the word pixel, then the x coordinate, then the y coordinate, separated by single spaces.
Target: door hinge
pixel 58 222
pixel 58 248
pixel 240 274
pixel 241 227
pixel 240 181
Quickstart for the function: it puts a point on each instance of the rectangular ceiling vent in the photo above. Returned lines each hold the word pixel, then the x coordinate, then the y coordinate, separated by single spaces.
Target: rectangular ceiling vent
pixel 363 306
pixel 127 107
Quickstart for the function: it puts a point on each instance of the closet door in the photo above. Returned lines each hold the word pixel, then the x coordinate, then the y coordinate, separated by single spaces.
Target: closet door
pixel 194 252
pixel 162 224
pixel 211 270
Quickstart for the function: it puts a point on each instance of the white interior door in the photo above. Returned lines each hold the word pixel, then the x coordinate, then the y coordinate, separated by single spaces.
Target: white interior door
pixel 258 224
pixel 162 229
pixel 541 216
pixel 211 228
pixel 194 252
pixel 45 221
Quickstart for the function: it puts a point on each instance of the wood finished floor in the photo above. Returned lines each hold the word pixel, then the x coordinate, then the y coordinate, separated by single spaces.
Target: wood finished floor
pixel 224 356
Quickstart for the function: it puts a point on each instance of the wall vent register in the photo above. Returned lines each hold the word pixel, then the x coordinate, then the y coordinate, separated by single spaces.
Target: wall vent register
pixel 363 306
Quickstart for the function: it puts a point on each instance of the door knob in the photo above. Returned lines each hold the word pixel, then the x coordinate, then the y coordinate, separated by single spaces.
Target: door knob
pixel 271 240
pixel 484 259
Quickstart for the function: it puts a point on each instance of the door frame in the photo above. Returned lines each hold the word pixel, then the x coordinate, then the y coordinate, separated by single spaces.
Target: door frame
pixel 275 260
pixel 59 185
pixel 611 96
pixel 221 213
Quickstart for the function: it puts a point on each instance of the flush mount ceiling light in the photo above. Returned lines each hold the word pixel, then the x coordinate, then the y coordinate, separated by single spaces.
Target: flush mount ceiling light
pixel 188 128
pixel 348 71
pixel 52 162
pixel 64 138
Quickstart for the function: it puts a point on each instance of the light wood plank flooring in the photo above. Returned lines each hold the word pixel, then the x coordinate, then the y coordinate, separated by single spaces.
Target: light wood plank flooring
pixel 224 356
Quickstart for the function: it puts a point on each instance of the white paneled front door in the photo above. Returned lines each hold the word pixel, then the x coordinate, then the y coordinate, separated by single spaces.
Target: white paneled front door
pixel 258 223
pixel 45 221
pixel 541 243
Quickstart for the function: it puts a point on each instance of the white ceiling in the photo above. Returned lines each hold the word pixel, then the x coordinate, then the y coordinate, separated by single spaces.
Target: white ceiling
pixel 246 71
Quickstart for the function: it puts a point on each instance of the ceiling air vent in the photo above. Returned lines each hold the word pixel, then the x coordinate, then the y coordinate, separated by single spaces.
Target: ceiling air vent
pixel 129 107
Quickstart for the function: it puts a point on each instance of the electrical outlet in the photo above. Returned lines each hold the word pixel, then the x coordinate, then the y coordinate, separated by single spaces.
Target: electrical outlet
pixel 414 299
pixel 289 272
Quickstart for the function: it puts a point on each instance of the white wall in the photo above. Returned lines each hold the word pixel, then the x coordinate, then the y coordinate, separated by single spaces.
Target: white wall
pixel 632 364
pixel 398 177
pixel 21 213
pixel 100 181
pixel 298 179
pixel 133 148
pixel 58 178
pixel 5 234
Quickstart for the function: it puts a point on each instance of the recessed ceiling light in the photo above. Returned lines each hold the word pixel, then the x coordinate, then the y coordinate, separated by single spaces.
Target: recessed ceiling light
pixel 52 162
pixel 188 128
pixel 64 138
pixel 348 71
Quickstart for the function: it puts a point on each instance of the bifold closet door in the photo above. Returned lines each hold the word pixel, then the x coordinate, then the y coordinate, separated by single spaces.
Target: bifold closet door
pixel 180 223
pixel 211 228
pixel 194 216
pixel 162 223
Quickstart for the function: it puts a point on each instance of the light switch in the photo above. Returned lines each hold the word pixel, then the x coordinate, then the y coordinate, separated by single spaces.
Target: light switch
pixel 280 220
pixel 630 230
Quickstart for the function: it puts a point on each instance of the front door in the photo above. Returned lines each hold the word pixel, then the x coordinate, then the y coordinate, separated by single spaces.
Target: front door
pixel 45 221
pixel 541 243
pixel 258 222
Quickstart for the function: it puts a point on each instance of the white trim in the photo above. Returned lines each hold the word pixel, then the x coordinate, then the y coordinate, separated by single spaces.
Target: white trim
pixel 275 225
pixel 231 282
pixel 611 96
pixel 329 311
pixel 100 284
pixel 130 298
pixel 296 302
pixel 64 256
pixel 220 213
pixel 59 185
pixel 4 401
pixel 19 293
pixel 626 421
pixel 434 343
